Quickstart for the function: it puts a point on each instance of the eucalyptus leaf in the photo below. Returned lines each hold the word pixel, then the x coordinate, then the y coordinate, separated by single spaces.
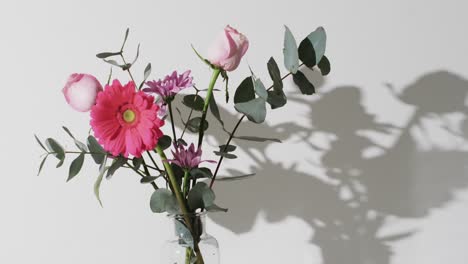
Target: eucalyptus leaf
pixel 147 71
pixel 42 165
pixel 162 201
pixel 104 55
pixel 276 99
pixel 97 152
pixel 307 53
pixel 76 166
pixel 80 145
pixel 275 75
pixel 97 184
pixel 148 179
pixel 215 208
pixel 255 110
pixel 225 154
pixel 227 148
pixel 258 139
pixel 194 102
pixel 116 164
pixel 245 92
pixel 324 66
pixel 200 196
pixel 57 150
pixel 184 233
pixel 137 55
pixel 194 124
pixel 125 39
pixel 303 83
pixel 164 142
pixel 203 172
pixel 291 56
pixel 318 38
pixel 113 62
pixel 181 141
pixel 40 143
pixel 260 89
pixel 137 162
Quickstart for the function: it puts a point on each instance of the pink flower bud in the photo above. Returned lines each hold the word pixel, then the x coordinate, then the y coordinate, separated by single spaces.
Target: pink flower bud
pixel 81 91
pixel 228 49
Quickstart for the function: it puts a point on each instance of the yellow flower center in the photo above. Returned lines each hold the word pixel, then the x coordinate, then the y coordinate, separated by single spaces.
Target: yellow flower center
pixel 129 116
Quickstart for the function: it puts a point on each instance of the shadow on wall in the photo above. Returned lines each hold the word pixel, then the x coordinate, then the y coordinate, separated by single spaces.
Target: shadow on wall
pixel 347 211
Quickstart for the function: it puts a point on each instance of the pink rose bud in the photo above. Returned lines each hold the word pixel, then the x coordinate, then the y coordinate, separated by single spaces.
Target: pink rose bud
pixel 228 49
pixel 81 91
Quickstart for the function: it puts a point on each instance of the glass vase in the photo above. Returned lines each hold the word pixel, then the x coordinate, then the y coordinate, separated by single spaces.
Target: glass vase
pixel 176 250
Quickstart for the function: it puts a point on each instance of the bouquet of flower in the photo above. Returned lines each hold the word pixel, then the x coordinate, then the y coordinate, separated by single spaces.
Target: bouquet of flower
pixel 128 122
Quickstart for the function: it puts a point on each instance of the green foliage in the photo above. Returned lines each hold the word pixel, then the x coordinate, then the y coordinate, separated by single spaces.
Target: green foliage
pixel 162 201
pixel 227 148
pixel 56 149
pixel 303 83
pixel 255 110
pixel 275 74
pixel 312 48
pixel 80 145
pixel 42 165
pixel 291 56
pixel 97 152
pixel 194 124
pixel 40 143
pixel 105 55
pixel 225 154
pixel 194 101
pixel 201 196
pixel 148 179
pixel 164 142
pixel 260 89
pixel 137 162
pixel 76 166
pixel 202 172
pixel 97 184
pixel 184 233
pixel 245 92
pixel 324 66
pixel 116 164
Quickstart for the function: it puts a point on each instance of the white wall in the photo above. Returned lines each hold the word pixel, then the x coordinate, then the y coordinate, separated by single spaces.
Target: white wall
pixel 407 172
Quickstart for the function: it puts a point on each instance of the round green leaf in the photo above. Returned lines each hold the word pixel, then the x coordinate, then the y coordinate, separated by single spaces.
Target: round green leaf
pixel 291 56
pixel 303 83
pixel 165 142
pixel 255 110
pixel 194 101
pixel 324 66
pixel 245 92
pixel 194 124
pixel 162 201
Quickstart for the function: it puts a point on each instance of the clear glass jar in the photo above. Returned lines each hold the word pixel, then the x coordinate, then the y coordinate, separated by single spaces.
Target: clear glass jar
pixel 177 251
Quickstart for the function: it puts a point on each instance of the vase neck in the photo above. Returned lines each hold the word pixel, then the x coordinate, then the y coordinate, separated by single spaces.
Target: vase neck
pixel 198 222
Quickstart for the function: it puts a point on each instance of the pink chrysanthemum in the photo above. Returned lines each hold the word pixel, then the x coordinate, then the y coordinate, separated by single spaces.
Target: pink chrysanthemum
pixel 188 158
pixel 125 121
pixel 170 85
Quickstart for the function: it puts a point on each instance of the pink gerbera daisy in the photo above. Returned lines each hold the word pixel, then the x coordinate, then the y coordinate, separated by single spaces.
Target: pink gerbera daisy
pixel 125 121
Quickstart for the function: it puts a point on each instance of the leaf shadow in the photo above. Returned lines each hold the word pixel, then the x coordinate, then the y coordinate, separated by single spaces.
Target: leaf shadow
pixel 350 206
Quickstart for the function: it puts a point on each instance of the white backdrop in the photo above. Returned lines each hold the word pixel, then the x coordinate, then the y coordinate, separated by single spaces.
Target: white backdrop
pixel 371 170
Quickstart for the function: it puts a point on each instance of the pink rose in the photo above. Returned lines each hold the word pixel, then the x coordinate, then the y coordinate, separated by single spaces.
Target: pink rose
pixel 81 91
pixel 228 49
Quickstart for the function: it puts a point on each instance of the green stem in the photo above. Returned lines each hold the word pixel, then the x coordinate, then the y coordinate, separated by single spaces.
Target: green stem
pixel 186 183
pixel 171 115
pixel 180 200
pixel 128 70
pixel 209 93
